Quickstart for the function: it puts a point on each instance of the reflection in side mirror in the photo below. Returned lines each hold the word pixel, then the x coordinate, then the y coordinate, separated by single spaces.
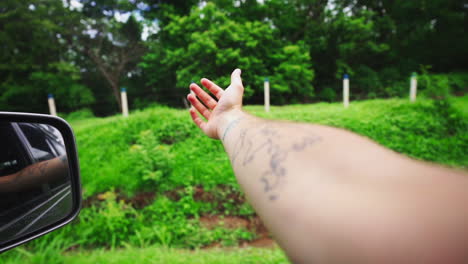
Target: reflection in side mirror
pixel 39 185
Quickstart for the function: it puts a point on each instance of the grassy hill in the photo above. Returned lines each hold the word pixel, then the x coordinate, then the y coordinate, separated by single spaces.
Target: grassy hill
pixel 159 148
pixel 155 179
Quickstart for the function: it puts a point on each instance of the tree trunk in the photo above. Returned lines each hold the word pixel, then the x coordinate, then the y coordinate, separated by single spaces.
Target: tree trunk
pixel 116 92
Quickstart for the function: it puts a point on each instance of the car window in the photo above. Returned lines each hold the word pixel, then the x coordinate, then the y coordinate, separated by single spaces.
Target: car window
pixel 40 147
pixel 11 158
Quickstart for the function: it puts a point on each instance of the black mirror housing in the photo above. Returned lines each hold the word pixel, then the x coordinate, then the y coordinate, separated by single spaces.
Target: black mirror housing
pixel 42 145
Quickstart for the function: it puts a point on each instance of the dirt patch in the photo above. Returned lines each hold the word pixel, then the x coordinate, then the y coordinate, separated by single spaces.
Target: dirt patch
pixel 138 201
pixel 253 224
pixel 230 222
pixel 264 242
pixel 141 200
pixel 201 195
pixel 220 196
pixel 174 194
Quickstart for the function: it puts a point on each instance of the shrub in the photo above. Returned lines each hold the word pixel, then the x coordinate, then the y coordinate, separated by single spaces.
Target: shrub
pixel 80 114
pixel 328 95
pixel 458 82
pixel 366 80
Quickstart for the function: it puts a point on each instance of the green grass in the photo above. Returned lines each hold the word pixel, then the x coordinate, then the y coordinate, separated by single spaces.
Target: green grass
pixel 115 152
pixel 155 255
pixel 159 150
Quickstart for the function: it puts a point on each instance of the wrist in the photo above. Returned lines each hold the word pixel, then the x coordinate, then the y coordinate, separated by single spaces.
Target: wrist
pixel 228 121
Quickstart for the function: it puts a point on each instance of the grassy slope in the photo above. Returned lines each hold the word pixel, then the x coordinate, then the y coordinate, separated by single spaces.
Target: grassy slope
pixel 107 146
pixel 115 153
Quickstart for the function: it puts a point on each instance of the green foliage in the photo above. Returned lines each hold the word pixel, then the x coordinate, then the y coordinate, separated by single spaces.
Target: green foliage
pixel 84 55
pixel 327 95
pixel 161 151
pixel 163 255
pixel 458 81
pixel 210 43
pixel 160 148
pixel 35 59
pixel 115 223
pixel 78 115
pixel 111 223
pixel 367 81
pixel 293 75
pixel 152 160
pixel 62 80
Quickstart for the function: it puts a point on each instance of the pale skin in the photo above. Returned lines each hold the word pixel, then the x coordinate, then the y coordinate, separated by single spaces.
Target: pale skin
pixel 331 196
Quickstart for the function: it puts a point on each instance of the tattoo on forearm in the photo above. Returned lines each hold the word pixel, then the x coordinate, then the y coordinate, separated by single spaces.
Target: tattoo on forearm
pixel 266 142
pixel 230 126
pixel 32 172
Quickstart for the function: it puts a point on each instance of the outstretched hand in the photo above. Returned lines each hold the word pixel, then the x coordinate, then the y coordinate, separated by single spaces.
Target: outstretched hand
pixel 214 111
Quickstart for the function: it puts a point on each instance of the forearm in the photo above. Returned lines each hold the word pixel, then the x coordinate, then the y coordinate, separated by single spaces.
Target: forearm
pixel 35 175
pixel 304 180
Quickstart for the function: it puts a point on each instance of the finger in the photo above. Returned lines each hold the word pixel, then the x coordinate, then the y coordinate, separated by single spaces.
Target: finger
pixel 196 119
pixel 236 78
pixel 214 89
pixel 199 106
pixel 204 97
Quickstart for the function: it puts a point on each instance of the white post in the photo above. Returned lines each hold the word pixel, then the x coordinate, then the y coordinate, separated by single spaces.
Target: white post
pixel 346 90
pixel 267 94
pixel 52 109
pixel 123 96
pixel 413 87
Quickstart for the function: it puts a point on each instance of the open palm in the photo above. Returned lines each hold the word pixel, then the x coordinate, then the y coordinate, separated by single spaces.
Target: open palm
pixel 228 100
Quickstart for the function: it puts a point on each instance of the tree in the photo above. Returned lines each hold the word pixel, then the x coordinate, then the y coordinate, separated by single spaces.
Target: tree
pixel 115 49
pixel 35 57
pixel 208 43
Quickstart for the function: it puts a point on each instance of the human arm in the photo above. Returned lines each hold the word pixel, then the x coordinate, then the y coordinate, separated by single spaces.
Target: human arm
pixel 34 175
pixel 331 196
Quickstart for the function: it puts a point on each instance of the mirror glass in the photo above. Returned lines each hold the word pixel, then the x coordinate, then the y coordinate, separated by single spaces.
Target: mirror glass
pixel 35 186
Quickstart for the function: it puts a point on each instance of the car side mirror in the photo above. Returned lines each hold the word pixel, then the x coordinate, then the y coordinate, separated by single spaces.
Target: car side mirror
pixel 39 177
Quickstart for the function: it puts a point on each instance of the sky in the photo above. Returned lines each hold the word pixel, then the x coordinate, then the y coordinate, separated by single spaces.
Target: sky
pixel 149 27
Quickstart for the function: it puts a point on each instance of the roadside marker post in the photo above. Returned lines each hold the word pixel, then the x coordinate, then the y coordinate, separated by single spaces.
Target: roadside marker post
pixel 413 87
pixel 266 87
pixel 184 101
pixel 52 109
pixel 346 90
pixel 123 96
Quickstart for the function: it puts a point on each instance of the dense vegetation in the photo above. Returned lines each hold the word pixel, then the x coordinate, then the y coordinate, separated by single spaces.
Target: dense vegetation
pixel 84 51
pixel 153 178
pixel 153 185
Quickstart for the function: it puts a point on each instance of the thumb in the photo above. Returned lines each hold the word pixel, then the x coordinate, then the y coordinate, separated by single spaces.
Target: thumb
pixel 236 78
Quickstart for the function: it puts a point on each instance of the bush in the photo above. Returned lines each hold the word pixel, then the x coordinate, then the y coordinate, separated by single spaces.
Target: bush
pixel 80 114
pixel 328 95
pixel 441 86
pixel 366 81
pixel 434 86
pixel 458 82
